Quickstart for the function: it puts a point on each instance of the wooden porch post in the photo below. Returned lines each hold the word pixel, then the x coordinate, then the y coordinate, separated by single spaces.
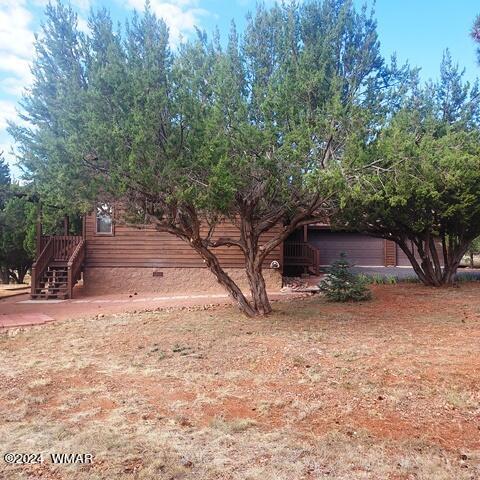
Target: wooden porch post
pixel 66 225
pixel 390 253
pixel 38 229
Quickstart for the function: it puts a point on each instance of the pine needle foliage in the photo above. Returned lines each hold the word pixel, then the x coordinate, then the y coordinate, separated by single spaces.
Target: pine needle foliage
pixel 342 285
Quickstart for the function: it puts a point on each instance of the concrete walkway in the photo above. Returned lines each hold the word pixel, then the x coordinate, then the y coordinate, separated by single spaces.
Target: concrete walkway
pixel 22 308
pixel 16 320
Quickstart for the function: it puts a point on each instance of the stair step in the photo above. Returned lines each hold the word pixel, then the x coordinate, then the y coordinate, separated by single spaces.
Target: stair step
pixel 51 287
pixel 53 296
pixel 50 290
pixel 53 283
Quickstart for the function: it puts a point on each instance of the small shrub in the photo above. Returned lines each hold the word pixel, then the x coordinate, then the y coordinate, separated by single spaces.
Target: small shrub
pixel 391 280
pixel 377 279
pixel 364 278
pixel 341 285
pixel 467 277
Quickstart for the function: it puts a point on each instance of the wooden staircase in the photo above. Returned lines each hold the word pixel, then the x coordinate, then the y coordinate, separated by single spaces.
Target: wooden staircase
pixel 53 284
pixel 58 267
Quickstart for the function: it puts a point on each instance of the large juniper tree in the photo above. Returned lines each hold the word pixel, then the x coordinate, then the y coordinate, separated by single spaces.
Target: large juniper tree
pixel 189 138
pixel 424 182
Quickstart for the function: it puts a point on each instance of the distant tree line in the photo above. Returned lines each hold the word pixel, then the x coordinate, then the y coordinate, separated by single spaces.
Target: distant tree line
pixel 17 228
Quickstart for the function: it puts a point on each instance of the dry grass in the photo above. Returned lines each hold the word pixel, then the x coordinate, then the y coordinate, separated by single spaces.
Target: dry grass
pixel 383 390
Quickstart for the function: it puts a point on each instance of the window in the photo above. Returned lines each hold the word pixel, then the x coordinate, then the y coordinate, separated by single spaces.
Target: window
pixel 104 219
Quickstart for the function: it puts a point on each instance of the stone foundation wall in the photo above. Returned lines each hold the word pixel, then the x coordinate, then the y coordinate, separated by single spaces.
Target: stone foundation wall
pixel 174 281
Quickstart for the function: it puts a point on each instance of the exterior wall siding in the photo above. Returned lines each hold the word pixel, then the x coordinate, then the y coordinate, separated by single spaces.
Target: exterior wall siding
pixel 146 247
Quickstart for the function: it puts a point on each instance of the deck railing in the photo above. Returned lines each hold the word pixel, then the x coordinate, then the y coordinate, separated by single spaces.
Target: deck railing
pixel 66 250
pixel 302 254
pixel 41 263
pixel 74 266
pixel 63 245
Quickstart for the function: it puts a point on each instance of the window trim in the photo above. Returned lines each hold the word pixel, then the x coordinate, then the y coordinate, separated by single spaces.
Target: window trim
pixel 112 230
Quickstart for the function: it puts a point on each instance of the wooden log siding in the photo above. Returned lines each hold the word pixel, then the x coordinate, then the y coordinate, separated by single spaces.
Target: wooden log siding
pixel 132 247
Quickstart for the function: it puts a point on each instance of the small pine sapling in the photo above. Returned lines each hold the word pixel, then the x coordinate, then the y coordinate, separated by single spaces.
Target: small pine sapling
pixel 341 285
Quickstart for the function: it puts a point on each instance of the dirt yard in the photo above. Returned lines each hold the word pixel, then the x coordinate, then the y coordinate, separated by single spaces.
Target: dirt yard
pixel 388 389
pixel 8 290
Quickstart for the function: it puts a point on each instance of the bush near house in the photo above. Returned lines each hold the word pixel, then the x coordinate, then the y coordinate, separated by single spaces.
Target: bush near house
pixel 342 285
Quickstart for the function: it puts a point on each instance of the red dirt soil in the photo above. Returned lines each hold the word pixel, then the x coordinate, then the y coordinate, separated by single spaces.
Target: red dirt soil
pixel 399 374
pixel 83 306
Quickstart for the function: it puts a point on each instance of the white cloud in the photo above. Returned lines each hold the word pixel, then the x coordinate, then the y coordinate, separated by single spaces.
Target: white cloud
pixel 15 35
pixel 12 86
pixel 83 25
pixel 19 67
pixel 7 112
pixel 82 4
pixel 181 16
pixel 16 41
pixel 16 53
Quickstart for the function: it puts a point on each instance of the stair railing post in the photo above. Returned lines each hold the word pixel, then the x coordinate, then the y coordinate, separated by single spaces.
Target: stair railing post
pixel 69 281
pixel 33 281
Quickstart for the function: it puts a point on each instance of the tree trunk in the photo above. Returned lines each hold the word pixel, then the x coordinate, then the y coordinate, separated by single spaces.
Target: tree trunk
pixel 13 276
pixel 471 260
pixel 224 279
pixel 22 271
pixel 258 289
pixel 452 264
pixel 429 270
pixel 4 275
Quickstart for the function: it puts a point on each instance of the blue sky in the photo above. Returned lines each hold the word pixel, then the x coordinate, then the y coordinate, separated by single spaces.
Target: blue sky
pixel 417 30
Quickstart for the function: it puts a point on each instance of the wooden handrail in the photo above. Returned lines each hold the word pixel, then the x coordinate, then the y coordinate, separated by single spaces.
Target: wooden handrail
pixel 304 252
pixel 66 250
pixel 65 246
pixel 40 265
pixel 74 266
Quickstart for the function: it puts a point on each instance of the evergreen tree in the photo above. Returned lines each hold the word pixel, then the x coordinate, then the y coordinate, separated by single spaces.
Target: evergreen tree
pixel 16 246
pixel 186 140
pixel 4 179
pixel 4 190
pixel 342 285
pixel 476 34
pixel 16 224
pixel 420 177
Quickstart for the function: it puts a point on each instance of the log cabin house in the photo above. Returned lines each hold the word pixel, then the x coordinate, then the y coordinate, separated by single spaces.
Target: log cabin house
pixel 113 258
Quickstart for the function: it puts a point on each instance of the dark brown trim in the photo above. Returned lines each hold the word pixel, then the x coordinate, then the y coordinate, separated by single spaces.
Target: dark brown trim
pixel 390 253
pixel 38 230
pixel 281 255
pixel 159 265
